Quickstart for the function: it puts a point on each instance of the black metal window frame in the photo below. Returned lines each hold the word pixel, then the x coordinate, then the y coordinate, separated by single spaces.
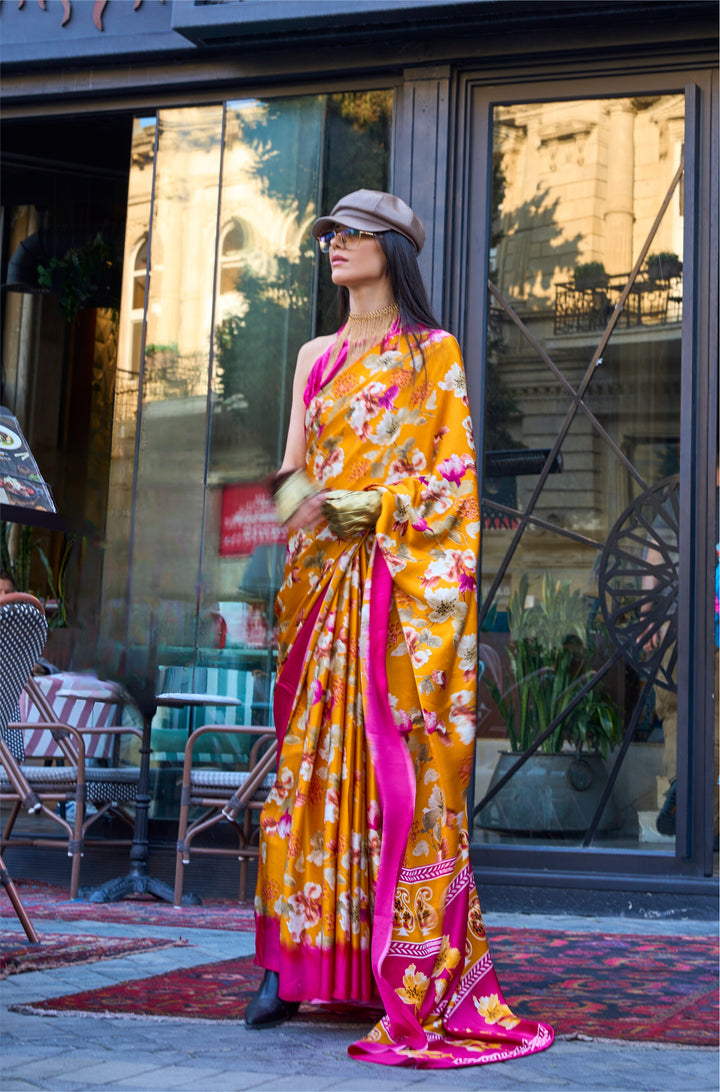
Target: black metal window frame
pixel 690 868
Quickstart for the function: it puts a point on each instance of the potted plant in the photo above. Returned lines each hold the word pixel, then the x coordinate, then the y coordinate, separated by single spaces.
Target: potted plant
pixel 590 275
pixel 16 562
pixel 86 276
pixel 549 662
pixel 663 266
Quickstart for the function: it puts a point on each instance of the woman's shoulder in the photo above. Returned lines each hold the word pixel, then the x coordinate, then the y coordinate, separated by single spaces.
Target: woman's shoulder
pixel 311 350
pixel 440 337
pixel 440 348
pixel 309 353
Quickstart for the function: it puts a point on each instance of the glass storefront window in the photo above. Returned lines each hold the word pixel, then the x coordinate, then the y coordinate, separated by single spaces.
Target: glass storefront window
pixel 222 286
pixel 582 429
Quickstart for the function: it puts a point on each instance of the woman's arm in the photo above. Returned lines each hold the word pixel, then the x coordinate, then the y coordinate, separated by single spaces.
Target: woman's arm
pixel 309 512
pixel 295 448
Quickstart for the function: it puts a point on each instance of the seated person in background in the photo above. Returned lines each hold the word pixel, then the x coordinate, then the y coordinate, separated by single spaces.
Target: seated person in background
pixel 7 587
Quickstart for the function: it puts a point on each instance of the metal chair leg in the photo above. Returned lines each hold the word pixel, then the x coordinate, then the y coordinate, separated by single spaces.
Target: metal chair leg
pixel 17 904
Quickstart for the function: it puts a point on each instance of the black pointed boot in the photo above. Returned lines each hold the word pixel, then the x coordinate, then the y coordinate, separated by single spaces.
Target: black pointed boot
pixel 267 1008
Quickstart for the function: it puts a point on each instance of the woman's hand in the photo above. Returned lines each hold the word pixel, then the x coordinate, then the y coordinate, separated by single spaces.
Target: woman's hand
pixel 307 515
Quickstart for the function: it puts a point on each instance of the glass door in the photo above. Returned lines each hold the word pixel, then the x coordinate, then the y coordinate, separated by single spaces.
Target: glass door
pixel 577 737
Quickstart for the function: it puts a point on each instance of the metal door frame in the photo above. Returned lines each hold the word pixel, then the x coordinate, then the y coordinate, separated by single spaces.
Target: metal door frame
pixel 468 231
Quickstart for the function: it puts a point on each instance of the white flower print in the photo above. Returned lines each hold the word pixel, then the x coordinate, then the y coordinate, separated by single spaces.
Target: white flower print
pixel 388 428
pixel 418 653
pixel 467 654
pixel 455 567
pixel 401 716
pixel 437 799
pixel 389 548
pixel 306 768
pixel 403 513
pixel 409 465
pixel 368 404
pixel 462 715
pixel 315 411
pixel 454 380
pixel 327 466
pixel 332 806
pixel 382 362
pixel 315 856
pixel 325 640
pixel 296 544
pixel 304 909
pixel 283 786
pixel 446 603
pixel 436 495
pixel 468 426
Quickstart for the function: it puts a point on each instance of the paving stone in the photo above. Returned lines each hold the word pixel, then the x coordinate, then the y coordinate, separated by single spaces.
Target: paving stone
pixel 79 1054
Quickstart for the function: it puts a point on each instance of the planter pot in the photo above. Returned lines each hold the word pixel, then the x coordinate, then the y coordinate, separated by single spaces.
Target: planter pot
pixel 551 794
pixel 591 280
pixel 664 269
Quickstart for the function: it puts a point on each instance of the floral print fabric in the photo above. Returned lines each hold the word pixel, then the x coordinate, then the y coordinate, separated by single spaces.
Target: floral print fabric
pixel 365 888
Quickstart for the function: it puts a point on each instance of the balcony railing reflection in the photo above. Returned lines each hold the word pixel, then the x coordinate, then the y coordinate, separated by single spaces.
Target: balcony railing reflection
pixel 651 302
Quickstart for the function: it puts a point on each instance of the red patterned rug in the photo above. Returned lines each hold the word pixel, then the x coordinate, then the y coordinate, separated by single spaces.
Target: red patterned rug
pixel 17 954
pixel 651 989
pixel 45 902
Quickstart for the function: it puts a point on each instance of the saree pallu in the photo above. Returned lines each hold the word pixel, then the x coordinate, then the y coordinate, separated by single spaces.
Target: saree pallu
pixel 365 890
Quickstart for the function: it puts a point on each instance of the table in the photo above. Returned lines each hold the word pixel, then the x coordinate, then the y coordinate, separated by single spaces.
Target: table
pixel 138 881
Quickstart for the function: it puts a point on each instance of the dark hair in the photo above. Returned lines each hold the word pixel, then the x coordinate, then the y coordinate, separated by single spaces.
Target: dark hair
pixel 406 283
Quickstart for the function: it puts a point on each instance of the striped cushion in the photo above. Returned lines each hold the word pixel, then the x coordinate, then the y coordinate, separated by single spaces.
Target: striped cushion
pixel 226 779
pixel 77 712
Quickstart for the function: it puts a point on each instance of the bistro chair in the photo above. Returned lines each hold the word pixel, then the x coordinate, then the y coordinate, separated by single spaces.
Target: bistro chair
pixel 224 794
pixel 23 633
pixel 44 791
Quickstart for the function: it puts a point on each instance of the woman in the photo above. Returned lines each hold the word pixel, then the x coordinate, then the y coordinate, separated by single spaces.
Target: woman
pixel 365 887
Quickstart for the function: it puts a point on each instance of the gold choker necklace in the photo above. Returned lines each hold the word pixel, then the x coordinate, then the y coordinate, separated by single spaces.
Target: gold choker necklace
pixel 363 330
pixel 368 316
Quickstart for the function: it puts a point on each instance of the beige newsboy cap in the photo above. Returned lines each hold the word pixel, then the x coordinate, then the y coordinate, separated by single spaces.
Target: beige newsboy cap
pixel 372 210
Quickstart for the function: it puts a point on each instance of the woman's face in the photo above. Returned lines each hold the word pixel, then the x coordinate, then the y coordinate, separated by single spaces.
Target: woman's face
pixel 352 268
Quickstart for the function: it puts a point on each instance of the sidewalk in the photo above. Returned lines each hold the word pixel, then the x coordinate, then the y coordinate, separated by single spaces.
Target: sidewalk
pixel 94 1054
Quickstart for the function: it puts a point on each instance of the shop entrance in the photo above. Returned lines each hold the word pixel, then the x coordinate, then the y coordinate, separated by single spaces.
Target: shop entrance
pixel 578 733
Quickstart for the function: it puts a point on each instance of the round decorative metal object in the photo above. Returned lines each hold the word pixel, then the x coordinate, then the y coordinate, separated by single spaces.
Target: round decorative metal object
pixel 580 774
pixel 638 583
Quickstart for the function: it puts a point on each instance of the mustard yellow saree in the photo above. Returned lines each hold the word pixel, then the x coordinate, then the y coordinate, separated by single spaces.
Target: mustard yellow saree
pixel 365 890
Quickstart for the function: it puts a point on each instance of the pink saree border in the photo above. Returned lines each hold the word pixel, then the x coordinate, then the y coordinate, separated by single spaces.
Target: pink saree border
pixel 396 788
pixel 313 972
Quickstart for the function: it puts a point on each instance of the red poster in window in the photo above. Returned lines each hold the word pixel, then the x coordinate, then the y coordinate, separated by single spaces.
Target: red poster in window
pixel 248 520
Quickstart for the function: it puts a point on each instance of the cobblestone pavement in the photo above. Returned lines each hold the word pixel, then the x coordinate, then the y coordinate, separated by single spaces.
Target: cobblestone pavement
pixel 95 1054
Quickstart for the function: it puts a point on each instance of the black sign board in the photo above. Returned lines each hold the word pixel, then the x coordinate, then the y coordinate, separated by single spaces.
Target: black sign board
pixel 21 483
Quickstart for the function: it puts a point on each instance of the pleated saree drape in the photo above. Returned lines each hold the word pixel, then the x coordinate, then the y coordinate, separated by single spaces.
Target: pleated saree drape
pixel 365 890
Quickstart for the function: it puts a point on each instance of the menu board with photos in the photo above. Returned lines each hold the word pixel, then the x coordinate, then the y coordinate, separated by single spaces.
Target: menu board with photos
pixel 21 483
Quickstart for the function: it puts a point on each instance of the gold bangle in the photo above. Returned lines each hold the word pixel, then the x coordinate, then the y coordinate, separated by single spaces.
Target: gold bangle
pixel 351 512
pixel 291 493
